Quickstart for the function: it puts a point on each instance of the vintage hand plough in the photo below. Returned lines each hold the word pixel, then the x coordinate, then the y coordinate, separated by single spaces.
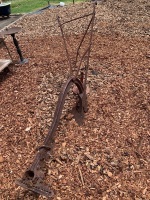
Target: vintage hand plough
pixel 32 179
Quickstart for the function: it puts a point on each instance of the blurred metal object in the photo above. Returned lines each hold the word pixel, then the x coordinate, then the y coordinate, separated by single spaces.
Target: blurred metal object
pixel 12 31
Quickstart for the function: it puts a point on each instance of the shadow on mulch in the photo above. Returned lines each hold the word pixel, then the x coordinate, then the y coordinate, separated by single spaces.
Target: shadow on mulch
pixel 26 194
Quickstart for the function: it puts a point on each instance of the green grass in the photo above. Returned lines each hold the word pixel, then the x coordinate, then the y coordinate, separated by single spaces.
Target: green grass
pixel 25 6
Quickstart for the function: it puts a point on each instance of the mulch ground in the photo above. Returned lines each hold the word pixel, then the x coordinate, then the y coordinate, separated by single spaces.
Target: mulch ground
pixel 108 156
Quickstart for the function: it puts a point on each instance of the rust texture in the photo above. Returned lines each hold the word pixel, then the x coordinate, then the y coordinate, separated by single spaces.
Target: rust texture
pixel 32 179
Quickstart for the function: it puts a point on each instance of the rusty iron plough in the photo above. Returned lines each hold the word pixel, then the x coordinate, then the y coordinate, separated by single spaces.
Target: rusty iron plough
pixel 32 179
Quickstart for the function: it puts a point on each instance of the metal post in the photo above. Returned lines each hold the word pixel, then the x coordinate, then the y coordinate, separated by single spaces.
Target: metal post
pixel 22 60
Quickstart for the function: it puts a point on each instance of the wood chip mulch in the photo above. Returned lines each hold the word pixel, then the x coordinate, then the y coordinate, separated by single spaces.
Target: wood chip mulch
pixel 108 156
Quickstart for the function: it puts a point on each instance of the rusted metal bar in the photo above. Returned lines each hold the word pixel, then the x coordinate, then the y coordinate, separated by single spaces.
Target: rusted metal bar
pixel 33 177
pixel 91 23
pixel 65 45
pixel 91 36
pixel 81 42
pixel 78 49
pixel 77 18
